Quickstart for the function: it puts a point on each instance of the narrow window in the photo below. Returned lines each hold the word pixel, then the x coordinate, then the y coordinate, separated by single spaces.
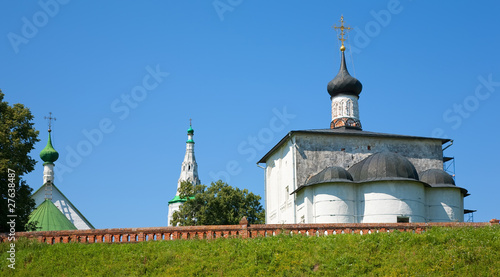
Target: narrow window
pixel 403 219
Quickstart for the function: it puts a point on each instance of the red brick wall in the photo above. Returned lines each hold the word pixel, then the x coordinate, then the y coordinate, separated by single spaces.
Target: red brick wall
pixel 243 230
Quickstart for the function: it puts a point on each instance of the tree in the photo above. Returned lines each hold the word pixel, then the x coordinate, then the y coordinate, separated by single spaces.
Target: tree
pixel 17 139
pixel 219 204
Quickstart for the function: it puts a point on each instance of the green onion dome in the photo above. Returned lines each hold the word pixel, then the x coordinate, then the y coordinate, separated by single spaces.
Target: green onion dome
pixel 49 155
pixel 190 134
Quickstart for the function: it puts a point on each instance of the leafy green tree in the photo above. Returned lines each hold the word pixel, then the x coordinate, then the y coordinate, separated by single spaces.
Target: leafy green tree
pixel 17 139
pixel 219 204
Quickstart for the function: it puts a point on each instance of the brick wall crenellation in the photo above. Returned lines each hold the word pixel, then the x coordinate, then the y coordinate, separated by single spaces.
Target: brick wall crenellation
pixel 243 230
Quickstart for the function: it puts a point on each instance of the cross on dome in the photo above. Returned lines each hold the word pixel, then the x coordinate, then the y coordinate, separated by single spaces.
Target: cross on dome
pixel 343 31
pixel 50 118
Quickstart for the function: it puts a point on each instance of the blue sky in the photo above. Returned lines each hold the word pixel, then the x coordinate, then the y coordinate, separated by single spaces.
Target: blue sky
pixel 124 77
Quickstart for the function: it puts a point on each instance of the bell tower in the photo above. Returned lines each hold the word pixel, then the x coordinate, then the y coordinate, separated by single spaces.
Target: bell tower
pixel 189 172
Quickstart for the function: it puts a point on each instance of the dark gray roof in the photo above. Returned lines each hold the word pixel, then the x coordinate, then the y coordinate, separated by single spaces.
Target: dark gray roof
pixel 383 166
pixel 344 83
pixel 343 132
pixel 435 177
pixel 438 178
pixel 331 174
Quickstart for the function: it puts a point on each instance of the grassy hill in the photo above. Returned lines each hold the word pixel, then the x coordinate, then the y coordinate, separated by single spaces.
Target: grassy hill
pixel 437 252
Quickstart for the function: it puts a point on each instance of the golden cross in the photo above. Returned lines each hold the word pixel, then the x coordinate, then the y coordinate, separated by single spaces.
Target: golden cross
pixel 343 32
pixel 50 118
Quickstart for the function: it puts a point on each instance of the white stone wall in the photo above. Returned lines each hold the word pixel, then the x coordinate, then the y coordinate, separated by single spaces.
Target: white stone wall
pixel 445 204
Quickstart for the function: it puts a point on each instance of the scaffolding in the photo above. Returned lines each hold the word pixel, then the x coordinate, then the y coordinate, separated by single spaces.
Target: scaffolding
pixel 449 162
pixel 449 167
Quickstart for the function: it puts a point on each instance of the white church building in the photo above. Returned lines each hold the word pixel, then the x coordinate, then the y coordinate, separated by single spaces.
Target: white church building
pixel 54 211
pixel 347 175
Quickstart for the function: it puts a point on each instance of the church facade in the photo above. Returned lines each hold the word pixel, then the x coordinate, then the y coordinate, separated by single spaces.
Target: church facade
pixel 347 175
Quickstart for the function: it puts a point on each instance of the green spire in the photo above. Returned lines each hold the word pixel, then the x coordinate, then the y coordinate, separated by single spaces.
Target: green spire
pixel 49 155
pixel 49 218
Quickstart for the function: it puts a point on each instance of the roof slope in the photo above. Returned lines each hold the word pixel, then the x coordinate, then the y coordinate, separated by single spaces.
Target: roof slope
pixel 342 132
pixel 49 218
pixel 41 190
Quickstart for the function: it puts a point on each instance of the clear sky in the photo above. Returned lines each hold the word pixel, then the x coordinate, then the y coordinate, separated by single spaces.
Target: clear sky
pixel 124 77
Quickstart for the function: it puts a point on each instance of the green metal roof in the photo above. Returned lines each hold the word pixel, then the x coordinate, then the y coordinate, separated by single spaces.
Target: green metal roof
pixel 69 202
pixel 178 199
pixel 50 218
pixel 49 155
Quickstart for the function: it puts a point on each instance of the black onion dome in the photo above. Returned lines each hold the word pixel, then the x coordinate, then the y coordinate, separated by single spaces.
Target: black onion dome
pixel 344 83
pixel 328 175
pixel 383 166
pixel 437 177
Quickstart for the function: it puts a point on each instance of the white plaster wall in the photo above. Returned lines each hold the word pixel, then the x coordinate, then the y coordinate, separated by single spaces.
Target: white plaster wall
pixel 300 205
pixel 64 206
pixel 171 209
pixel 384 201
pixel 334 203
pixel 308 200
pixel 444 204
pixel 280 182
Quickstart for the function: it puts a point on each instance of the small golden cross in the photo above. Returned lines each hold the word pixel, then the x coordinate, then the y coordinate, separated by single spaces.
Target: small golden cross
pixel 343 32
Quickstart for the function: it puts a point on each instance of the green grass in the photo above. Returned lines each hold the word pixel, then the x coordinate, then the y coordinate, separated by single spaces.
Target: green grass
pixel 437 252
